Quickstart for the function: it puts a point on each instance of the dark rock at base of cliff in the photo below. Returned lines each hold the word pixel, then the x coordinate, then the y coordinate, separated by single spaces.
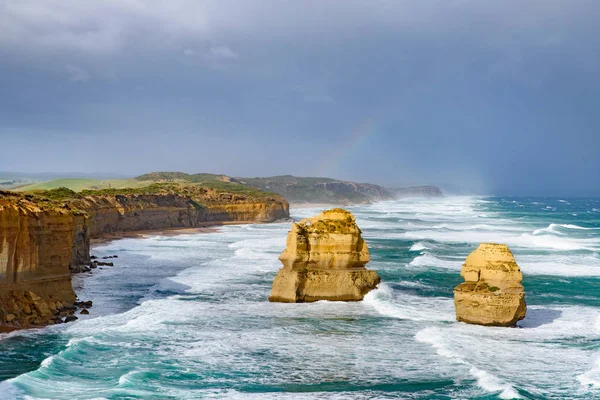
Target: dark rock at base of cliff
pixel 71 318
pixel 27 309
pixel 77 269
pixel 104 264
pixel 84 312
pixel 83 304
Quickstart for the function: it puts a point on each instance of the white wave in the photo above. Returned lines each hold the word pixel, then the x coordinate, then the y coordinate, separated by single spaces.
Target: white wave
pixel 525 240
pixel 46 362
pixel 427 260
pixel 125 379
pixel 492 383
pixel 403 306
pixel 418 246
pixel 8 389
pixel 549 229
pixel 414 284
pixel 591 378
pixel 485 380
pixel 570 226
pixel 554 229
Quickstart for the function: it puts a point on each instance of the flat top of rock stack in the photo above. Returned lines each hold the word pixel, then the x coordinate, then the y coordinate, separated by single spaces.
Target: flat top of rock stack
pixel 331 221
pixel 330 240
pixel 492 263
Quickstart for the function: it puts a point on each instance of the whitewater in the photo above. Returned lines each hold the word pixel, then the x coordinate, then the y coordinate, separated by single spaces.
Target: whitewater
pixel 187 317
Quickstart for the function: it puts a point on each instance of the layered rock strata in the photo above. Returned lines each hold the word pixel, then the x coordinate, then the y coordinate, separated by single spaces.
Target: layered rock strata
pixel 45 237
pixel 35 252
pixel 492 293
pixel 324 259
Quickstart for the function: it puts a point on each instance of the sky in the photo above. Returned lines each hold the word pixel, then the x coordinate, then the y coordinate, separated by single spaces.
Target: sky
pixel 495 97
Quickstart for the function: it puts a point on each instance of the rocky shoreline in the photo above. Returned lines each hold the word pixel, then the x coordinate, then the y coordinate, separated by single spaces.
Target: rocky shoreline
pixel 46 238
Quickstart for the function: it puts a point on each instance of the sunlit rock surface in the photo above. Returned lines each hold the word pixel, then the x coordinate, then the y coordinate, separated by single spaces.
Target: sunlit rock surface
pixel 324 259
pixel 492 293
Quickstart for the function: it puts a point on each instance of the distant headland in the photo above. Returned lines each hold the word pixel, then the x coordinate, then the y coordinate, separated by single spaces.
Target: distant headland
pixel 296 190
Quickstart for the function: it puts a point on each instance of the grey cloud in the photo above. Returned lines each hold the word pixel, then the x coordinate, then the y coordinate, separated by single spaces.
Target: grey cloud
pixel 445 82
pixel 77 74
pixel 110 25
pixel 221 53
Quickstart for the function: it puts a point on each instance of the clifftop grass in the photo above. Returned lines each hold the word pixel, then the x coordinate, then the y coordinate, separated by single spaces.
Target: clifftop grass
pixel 209 192
pixel 79 184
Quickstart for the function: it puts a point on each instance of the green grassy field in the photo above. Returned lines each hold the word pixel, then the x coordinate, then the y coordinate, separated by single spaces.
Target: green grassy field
pixel 78 184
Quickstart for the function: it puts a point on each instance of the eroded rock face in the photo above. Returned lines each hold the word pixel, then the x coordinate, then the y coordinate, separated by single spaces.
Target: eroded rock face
pixel 324 259
pixel 43 240
pixel 492 293
pixel 35 252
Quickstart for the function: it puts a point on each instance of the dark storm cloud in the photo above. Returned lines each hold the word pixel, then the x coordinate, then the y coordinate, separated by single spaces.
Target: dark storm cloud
pixel 496 96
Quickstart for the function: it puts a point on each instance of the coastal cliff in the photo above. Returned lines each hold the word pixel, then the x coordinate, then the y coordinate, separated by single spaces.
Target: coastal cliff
pixel 333 191
pixel 45 236
pixel 324 259
pixel 35 253
pixel 492 293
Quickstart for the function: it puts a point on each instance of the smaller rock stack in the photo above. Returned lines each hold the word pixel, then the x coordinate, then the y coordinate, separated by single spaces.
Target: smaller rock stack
pixel 492 293
pixel 324 260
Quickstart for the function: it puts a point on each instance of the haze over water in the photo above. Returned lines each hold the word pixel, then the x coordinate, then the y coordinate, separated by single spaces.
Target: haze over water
pixel 187 316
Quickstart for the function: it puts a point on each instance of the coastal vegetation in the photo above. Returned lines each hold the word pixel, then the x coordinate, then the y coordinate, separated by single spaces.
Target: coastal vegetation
pixel 314 190
pixel 45 235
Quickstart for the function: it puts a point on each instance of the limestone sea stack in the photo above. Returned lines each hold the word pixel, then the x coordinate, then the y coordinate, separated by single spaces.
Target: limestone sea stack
pixel 324 259
pixel 492 293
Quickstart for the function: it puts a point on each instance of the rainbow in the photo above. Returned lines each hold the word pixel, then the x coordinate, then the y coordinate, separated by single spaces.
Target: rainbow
pixel 359 136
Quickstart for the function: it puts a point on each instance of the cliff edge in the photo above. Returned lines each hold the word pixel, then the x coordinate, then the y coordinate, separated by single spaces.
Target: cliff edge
pixel 35 253
pixel 324 259
pixel 45 236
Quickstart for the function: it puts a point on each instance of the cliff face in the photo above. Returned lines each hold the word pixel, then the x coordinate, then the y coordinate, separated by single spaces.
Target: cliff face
pixel 35 253
pixel 43 238
pixel 125 213
pixel 319 190
pixel 189 207
pixel 492 293
pixel 324 259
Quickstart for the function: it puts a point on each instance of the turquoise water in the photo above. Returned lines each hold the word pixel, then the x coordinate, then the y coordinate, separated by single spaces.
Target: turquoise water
pixel 187 317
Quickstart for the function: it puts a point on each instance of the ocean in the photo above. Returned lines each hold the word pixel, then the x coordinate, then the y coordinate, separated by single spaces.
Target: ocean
pixel 187 317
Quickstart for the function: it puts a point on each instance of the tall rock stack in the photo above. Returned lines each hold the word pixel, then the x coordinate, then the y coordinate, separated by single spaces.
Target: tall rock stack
pixel 492 293
pixel 325 259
